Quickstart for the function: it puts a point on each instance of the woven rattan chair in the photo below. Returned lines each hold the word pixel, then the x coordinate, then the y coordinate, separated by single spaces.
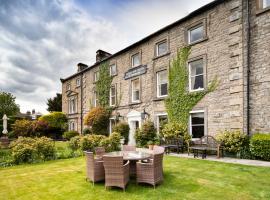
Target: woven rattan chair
pixel 158 149
pixel 116 173
pixel 129 148
pixel 151 172
pixel 100 151
pixel 94 168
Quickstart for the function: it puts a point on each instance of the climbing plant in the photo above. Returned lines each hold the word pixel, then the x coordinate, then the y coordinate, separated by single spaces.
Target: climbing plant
pixel 180 101
pixel 103 85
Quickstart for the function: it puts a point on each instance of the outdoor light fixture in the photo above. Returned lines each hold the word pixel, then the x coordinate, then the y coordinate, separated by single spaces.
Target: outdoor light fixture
pixel 119 117
pixel 144 114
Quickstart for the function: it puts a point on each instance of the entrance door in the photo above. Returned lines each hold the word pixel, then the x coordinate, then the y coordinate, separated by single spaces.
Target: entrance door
pixel 134 122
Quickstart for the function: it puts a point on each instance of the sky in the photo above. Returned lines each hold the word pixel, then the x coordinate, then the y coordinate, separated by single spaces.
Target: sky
pixel 42 41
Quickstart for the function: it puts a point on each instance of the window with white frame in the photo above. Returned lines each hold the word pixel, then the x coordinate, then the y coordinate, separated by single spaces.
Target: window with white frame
pixel 162 83
pixel 112 124
pixel 78 82
pixel 72 108
pixel 113 70
pixel 113 95
pixel 162 119
pixel 197 124
pixel 68 87
pixel 161 48
pixel 96 76
pixel 135 60
pixel 196 75
pixel 196 33
pixel 265 3
pixel 96 99
pixel 135 90
pixel 72 126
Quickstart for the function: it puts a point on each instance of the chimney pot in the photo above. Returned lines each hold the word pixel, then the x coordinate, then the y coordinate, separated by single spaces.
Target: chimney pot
pixel 101 55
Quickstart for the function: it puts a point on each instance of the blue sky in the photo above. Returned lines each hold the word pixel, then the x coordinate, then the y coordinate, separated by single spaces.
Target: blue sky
pixel 41 41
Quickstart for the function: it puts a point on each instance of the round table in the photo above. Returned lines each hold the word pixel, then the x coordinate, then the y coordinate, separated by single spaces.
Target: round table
pixel 132 156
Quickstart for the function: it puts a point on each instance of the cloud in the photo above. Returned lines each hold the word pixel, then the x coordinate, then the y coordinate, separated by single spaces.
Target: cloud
pixel 41 41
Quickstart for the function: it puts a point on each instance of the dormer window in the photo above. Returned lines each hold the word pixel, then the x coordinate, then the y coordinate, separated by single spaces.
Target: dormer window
pixel 135 60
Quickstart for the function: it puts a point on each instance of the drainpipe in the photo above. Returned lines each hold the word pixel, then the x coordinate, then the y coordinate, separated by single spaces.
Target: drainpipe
pixel 248 66
pixel 81 104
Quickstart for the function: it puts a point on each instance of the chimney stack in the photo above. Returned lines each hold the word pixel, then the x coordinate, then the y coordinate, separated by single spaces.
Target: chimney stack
pixel 81 67
pixel 101 55
pixel 33 112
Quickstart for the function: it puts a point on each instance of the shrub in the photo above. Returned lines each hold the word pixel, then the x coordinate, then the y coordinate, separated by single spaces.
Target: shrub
pixel 145 134
pixel 22 128
pixel 98 119
pixel 74 143
pixel 70 134
pixel 89 142
pixel 260 146
pixel 55 120
pixel 28 150
pixel 123 129
pixel 232 141
pixel 115 141
pixel 40 128
pixel 45 148
pixel 23 150
pixel 173 130
pixel 86 131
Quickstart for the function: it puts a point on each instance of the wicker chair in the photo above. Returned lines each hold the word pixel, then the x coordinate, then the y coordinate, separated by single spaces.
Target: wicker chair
pixel 116 173
pixel 94 168
pixel 151 172
pixel 100 151
pixel 129 148
pixel 158 149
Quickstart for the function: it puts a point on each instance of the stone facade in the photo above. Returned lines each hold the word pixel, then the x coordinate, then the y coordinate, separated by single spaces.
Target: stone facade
pixel 223 51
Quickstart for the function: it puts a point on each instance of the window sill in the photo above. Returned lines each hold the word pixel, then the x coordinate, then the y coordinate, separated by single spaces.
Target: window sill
pixel 113 75
pixel 160 56
pixel 263 10
pixel 198 90
pixel 73 113
pixel 134 103
pixel 198 41
pixel 160 98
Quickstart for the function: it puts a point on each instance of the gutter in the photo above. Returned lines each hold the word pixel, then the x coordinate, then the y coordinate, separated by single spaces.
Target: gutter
pixel 248 67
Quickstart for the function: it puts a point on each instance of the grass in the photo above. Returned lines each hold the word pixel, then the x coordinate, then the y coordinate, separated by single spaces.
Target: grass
pixel 184 179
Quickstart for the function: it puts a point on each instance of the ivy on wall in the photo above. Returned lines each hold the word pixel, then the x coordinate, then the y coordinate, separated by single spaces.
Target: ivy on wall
pixel 180 101
pixel 103 85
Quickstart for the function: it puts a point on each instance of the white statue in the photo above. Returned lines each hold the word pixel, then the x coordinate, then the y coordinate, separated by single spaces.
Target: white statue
pixel 5 118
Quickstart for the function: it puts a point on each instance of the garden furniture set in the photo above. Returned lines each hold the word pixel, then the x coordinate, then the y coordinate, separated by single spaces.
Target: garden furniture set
pixel 173 144
pixel 117 167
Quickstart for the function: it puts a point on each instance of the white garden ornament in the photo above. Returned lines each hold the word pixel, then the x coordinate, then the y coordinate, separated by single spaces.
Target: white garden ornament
pixel 5 118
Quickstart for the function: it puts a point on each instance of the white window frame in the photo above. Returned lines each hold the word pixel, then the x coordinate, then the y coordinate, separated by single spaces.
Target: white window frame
pixel 159 91
pixel 72 126
pixel 115 95
pixel 193 28
pixel 95 99
pixel 78 82
pixel 96 76
pixel 111 127
pixel 132 93
pixel 111 74
pixel 68 87
pixel 72 109
pixel 157 118
pixel 190 122
pixel 189 76
pixel 157 49
pixel 132 60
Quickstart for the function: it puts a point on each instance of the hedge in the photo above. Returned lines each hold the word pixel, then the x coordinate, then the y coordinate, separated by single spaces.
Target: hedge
pixel 260 146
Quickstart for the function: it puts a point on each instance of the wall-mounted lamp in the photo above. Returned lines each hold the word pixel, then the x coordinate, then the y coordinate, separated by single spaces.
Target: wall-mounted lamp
pixel 144 114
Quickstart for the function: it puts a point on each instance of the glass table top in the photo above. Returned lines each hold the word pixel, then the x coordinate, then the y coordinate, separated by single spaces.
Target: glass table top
pixel 130 155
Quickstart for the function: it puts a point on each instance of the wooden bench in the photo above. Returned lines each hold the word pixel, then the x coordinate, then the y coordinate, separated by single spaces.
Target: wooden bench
pixel 176 144
pixel 205 144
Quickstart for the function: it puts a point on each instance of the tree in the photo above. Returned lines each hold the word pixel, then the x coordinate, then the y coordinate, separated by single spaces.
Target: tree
pixel 8 105
pixel 55 103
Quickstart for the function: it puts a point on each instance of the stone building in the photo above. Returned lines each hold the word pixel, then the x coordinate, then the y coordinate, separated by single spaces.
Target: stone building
pixel 229 39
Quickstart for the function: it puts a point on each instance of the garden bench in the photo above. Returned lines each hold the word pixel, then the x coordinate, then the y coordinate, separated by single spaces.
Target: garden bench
pixel 204 144
pixel 170 144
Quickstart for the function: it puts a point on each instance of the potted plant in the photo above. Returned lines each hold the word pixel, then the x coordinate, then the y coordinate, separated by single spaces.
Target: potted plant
pixel 150 145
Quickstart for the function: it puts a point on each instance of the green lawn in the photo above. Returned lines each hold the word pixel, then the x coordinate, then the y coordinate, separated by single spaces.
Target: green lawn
pixel 184 179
